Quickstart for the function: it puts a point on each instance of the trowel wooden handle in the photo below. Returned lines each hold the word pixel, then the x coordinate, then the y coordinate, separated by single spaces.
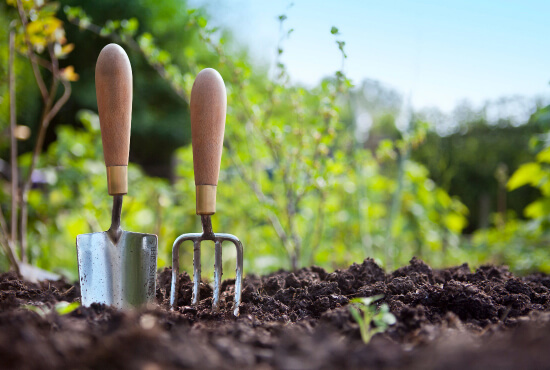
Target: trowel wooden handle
pixel 113 83
pixel 208 107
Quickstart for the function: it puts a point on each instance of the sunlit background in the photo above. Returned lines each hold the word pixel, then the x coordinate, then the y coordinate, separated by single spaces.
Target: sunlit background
pixel 437 52
pixel 355 129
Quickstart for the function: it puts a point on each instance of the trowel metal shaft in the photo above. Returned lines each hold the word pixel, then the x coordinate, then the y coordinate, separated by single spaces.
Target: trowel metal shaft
pixel 115 231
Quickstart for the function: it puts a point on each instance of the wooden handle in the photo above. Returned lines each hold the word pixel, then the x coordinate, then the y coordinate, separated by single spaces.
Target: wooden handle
pixel 208 107
pixel 113 81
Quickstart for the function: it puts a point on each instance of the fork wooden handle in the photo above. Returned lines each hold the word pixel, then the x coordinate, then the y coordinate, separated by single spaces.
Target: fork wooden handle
pixel 113 81
pixel 208 109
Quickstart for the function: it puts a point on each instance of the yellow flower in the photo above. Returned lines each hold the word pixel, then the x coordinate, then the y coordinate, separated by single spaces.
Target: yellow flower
pixel 69 74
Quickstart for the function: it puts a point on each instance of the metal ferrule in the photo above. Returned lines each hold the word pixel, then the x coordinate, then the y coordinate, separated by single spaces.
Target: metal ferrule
pixel 117 180
pixel 206 199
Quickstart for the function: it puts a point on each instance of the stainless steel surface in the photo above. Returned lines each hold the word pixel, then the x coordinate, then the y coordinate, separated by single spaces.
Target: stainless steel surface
pixel 117 267
pixel 196 271
pixel 218 239
pixel 217 274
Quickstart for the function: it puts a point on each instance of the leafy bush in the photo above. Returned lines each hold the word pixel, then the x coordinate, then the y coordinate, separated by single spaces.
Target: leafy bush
pixel 523 245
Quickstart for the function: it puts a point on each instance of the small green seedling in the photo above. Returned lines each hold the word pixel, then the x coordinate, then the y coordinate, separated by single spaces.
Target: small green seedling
pixel 62 308
pixel 365 314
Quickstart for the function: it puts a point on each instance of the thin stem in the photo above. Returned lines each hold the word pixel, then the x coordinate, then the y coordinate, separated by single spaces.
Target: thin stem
pixel 263 199
pixel 13 141
pixel 8 245
pixel 394 209
pixel 41 62
pixel 158 225
pixel 31 55
pixel 319 226
pixel 47 115
pixel 362 208
pixel 292 200
pixel 61 102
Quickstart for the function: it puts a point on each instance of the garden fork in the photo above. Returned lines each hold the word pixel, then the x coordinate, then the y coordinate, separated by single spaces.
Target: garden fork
pixel 208 107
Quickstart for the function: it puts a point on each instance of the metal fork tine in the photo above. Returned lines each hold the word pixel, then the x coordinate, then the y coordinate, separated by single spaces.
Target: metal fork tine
pixel 175 274
pixel 218 272
pixel 238 276
pixel 196 271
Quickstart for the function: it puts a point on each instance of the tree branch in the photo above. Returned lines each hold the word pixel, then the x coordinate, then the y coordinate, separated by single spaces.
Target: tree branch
pixel 61 102
pixel 8 246
pixel 13 141
pixel 134 45
pixel 263 199
pixel 31 55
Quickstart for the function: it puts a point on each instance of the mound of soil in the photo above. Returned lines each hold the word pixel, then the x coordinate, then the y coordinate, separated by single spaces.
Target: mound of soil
pixel 452 319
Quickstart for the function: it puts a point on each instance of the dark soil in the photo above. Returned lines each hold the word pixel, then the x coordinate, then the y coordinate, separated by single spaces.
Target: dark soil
pixel 446 319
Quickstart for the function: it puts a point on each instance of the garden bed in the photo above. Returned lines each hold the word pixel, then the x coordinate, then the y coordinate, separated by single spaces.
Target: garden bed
pixel 450 318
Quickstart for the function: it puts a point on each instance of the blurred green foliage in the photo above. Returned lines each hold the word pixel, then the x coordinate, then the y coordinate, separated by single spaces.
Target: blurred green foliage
pixel 160 122
pixel 298 184
pixel 465 162
pixel 523 244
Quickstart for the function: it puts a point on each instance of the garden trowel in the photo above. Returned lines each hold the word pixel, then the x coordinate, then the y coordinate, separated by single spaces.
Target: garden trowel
pixel 116 267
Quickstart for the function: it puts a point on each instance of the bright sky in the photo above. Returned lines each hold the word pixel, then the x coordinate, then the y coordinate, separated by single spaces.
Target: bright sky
pixel 438 51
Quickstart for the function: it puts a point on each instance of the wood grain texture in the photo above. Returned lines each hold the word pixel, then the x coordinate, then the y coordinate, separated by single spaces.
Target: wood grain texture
pixel 113 86
pixel 208 107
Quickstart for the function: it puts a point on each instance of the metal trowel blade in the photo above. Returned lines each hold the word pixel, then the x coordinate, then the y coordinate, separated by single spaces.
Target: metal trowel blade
pixel 122 275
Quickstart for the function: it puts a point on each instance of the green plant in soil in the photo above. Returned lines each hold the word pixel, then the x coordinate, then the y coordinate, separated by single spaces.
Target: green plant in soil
pixel 371 320
pixel 61 308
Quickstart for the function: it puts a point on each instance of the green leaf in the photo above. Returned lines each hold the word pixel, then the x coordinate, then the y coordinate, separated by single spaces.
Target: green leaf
pixel 334 30
pixel 367 301
pixel 389 318
pixel 539 208
pixel 455 222
pixel 39 310
pixel 544 156
pixel 374 298
pixel 356 315
pixel 104 32
pixel 63 308
pixel 130 26
pixel 341 45
pixel 202 22
pixel 529 173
